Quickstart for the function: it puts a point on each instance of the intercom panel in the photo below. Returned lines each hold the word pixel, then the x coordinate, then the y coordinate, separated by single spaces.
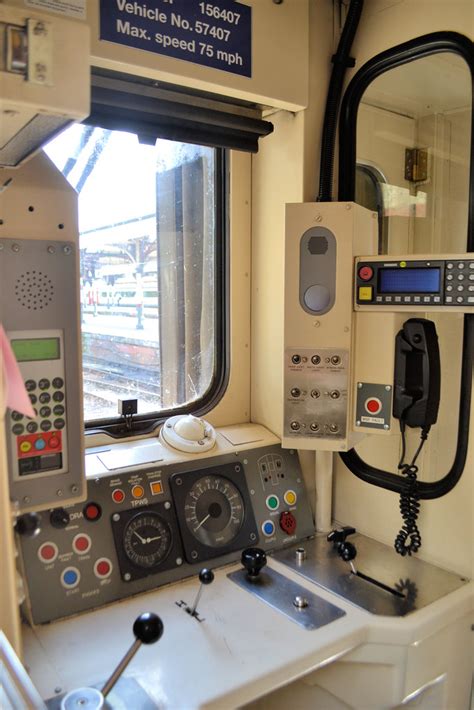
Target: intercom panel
pixel 322 240
pixel 425 283
pixel 45 454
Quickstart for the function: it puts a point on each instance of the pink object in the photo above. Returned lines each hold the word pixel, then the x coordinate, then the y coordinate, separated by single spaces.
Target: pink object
pixel 16 396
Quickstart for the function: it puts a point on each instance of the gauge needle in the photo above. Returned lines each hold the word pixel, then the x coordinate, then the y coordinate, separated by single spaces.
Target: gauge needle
pixel 202 522
pixel 150 539
pixel 142 539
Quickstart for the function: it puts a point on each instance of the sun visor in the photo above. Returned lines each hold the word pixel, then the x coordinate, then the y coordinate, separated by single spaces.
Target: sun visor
pixel 38 100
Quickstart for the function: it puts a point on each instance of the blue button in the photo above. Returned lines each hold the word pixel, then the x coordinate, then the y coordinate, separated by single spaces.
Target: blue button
pixel 70 577
pixel 40 444
pixel 268 528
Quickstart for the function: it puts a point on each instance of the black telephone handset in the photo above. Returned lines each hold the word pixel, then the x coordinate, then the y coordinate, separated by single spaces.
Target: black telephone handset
pixel 415 403
pixel 417 374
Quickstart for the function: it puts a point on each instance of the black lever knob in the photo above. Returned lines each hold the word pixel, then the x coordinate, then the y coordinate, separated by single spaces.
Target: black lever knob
pixel 253 559
pixel 148 627
pixel 340 535
pixel 347 551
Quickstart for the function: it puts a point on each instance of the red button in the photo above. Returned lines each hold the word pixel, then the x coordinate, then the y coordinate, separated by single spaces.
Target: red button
pixel 48 552
pixel 81 543
pixel 53 443
pixel 373 406
pixel 288 522
pixel 103 567
pixel 92 511
pixel 118 496
pixel 366 273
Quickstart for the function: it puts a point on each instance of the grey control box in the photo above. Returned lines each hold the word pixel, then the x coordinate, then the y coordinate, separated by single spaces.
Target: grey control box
pixel 134 533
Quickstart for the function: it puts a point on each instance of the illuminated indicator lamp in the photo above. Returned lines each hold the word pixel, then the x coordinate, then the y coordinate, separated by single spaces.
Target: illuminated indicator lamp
pixel 92 512
pixel 365 293
pixel 290 497
pixel 138 491
pixel 40 444
pixel 48 552
pixel 81 544
pixel 70 577
pixel 103 568
pixel 118 496
pixel 272 502
pixel 156 488
pixel 25 446
pixel 403 264
pixel 373 405
pixel 268 528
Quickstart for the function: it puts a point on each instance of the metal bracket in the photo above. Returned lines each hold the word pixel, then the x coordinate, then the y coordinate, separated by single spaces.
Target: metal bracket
pixel 294 601
pixel 416 164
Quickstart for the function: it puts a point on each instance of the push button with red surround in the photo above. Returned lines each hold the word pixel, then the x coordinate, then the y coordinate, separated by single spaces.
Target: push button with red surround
pixel 81 544
pixel 48 552
pixel 373 405
pixel 366 273
pixel 103 568
pixel 288 522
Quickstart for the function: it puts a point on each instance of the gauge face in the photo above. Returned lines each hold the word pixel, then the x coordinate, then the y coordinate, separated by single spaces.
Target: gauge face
pixel 214 511
pixel 147 540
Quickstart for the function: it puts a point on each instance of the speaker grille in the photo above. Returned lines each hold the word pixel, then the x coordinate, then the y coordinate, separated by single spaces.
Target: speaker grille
pixel 34 290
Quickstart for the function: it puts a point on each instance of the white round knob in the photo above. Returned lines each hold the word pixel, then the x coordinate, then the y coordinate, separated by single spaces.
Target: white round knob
pixel 191 428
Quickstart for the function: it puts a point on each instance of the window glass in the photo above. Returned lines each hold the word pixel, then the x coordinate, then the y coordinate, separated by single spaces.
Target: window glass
pixel 147 267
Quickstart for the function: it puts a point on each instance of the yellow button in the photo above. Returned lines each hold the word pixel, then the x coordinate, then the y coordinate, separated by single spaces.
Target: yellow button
pixel 156 487
pixel 138 492
pixel 25 446
pixel 365 293
pixel 290 497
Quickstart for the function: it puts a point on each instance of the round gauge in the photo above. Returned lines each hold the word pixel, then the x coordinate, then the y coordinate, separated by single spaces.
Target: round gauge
pixel 214 511
pixel 147 539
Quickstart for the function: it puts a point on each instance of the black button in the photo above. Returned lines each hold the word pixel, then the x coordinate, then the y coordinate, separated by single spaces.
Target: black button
pixel 30 385
pixel 18 429
pixel 33 398
pixel 59 423
pixel 45 411
pixel 17 416
pixel 58 410
pixel 31 427
pixel 44 384
pixel 58 382
pixel 58 396
pixel 45 425
pixel 44 397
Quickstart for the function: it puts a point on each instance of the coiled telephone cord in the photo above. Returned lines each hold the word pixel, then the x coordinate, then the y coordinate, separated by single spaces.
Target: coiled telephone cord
pixel 408 540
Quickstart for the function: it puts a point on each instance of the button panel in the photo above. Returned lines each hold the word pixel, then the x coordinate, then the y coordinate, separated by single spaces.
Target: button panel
pixel 456 282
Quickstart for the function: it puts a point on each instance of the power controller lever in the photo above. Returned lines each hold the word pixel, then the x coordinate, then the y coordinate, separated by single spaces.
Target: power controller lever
pixel 253 559
pixel 206 576
pixel 148 628
pixel 346 550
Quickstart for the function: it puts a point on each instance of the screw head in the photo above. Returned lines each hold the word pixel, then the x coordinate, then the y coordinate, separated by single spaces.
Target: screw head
pixel 388 388
pixel 359 385
pixel 386 426
pixel 59 492
pixel 357 423
pixel 127 577
pixel 115 517
pixel 179 561
pixel 167 505
pixel 15 248
pixel 51 249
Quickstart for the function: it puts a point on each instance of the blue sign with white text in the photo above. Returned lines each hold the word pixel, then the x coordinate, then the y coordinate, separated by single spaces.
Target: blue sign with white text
pixel 217 34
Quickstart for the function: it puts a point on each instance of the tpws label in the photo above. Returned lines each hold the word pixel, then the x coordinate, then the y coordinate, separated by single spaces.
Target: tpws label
pixel 215 34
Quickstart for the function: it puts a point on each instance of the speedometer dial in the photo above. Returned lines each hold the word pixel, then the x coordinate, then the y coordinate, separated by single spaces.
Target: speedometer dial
pixel 214 511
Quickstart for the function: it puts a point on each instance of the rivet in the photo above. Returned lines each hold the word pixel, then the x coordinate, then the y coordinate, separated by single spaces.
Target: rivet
pixel 127 576
pixel 357 423
pixel 167 505
pixel 388 388
pixel 115 517
pixel 300 602
pixel 59 493
pixel 179 561
pixel 51 249
pixel 386 426
pixel 359 385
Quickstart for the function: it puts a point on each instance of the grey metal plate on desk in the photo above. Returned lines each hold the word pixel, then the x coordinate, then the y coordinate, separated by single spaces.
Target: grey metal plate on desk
pixel 415 583
pixel 280 593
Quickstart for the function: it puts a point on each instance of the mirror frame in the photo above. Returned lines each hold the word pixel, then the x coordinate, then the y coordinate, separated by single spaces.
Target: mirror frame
pixel 426 45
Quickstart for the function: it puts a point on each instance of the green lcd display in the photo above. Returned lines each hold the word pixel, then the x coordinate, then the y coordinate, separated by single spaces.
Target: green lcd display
pixel 36 349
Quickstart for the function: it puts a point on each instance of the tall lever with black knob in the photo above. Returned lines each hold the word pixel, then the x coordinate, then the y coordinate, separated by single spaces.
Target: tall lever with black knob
pixel 346 550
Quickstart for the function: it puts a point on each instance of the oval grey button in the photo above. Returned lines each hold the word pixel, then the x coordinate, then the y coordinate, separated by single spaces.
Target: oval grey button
pixel 317 298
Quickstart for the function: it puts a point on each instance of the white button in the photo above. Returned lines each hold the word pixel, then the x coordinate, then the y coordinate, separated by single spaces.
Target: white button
pixel 449 288
pixel 317 298
pixel 379 299
pixel 398 299
pixel 426 299
pixel 460 277
pixel 460 287
pixel 436 299
pixel 470 288
pixel 449 299
pixel 470 299
pixel 460 264
pixel 449 265
pixel 449 277
pixel 407 299
pixel 471 264
pixel 389 298
pixel 416 299
pixel 459 299
pixel 471 277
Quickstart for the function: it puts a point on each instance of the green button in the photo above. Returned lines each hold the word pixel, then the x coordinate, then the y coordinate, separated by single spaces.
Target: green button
pixel 273 502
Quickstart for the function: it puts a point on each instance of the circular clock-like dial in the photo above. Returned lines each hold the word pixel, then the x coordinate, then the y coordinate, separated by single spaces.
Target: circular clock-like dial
pixel 147 539
pixel 214 511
